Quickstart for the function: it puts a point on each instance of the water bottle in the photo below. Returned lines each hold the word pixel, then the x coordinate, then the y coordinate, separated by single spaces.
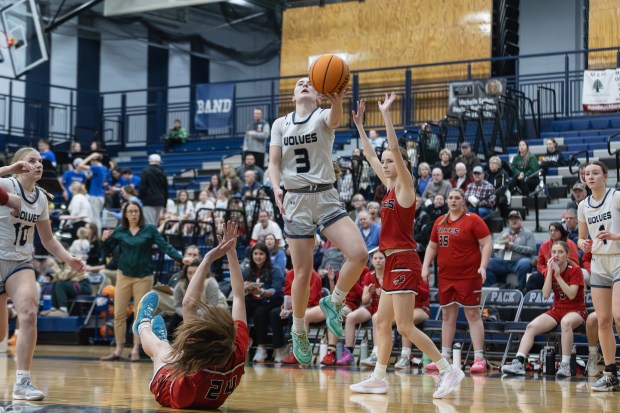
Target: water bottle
pixel 573 361
pixel 456 356
pixel 425 360
pixel 550 360
pixel 47 302
pixel 322 349
pixel 339 350
pixel 364 350
pixel 543 364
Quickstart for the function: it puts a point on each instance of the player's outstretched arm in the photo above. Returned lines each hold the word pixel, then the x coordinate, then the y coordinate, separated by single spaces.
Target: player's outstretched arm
pixel 196 285
pixel 369 150
pixel 237 285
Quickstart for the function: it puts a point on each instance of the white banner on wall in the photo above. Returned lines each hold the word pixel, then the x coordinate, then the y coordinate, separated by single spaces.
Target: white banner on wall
pixel 601 90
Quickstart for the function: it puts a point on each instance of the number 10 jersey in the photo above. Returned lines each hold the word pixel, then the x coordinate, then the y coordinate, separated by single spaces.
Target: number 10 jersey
pixel 306 149
pixel 17 234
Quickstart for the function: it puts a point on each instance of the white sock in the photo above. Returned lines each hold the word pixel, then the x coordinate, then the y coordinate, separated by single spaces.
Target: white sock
pixel 519 354
pixel 299 325
pixel 591 349
pixel 375 350
pixel 443 365
pixel 446 352
pixel 380 371
pixel 144 323
pixel 22 375
pixel 405 352
pixel 565 359
pixel 64 309
pixel 478 354
pixel 338 296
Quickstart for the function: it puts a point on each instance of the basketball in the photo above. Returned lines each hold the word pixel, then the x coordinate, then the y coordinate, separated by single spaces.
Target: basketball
pixel 329 74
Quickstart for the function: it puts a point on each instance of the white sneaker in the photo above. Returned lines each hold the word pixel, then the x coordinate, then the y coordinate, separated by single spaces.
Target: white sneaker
pixel 564 370
pixel 370 385
pixel 260 355
pixel 516 367
pixel 592 367
pixel 448 382
pixel 280 353
pixel 403 362
pixel 370 361
pixel 26 391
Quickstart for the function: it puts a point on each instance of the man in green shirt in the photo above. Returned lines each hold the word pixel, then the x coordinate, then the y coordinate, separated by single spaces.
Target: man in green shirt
pixel 177 135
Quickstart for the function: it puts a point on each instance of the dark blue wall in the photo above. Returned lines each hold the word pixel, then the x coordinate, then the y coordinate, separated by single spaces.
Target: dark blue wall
pixel 88 110
pixel 157 97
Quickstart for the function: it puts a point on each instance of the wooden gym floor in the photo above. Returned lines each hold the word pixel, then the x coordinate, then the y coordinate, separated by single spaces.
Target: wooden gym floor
pixel 75 381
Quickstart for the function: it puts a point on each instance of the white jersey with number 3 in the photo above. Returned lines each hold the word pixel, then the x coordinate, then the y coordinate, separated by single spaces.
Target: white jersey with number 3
pixel 306 149
pixel 17 234
pixel 602 215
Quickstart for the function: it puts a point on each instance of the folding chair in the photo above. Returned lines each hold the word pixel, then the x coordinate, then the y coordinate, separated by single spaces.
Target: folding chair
pixel 532 305
pixel 82 301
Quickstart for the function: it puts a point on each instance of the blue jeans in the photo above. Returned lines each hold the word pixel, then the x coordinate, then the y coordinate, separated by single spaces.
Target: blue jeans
pixel 482 211
pixel 501 268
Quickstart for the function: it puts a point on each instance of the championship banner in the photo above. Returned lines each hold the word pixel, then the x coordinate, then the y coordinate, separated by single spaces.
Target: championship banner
pixel 601 90
pixel 475 95
pixel 214 106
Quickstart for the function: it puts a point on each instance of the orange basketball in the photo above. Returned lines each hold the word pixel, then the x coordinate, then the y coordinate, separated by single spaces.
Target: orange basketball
pixel 105 330
pixel 329 74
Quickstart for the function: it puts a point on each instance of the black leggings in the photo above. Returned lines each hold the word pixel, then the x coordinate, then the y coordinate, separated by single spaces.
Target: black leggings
pixel 260 312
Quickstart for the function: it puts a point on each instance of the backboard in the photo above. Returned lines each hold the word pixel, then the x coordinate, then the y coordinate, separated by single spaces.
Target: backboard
pixel 24 29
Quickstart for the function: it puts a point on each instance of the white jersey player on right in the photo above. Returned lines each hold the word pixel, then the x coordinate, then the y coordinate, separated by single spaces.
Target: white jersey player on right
pixel 300 158
pixel 599 233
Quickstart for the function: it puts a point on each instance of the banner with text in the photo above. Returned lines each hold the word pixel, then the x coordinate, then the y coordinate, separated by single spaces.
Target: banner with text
pixel 214 106
pixel 601 90
pixel 475 95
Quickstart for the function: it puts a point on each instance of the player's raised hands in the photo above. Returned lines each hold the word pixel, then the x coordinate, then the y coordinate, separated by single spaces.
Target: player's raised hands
pixel 385 105
pixel 358 116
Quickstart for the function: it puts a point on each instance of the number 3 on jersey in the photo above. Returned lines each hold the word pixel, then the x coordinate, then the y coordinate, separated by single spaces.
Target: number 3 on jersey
pixel 303 160
pixel 444 240
pixel 21 240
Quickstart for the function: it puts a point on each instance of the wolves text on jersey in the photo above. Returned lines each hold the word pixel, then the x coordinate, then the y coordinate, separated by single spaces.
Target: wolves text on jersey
pixel 300 140
pixel 28 216
pixel 599 218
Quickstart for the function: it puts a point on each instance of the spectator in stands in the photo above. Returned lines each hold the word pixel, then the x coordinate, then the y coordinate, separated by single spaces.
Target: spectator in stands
pixel 249 164
pixel 437 208
pixel 344 185
pixel 469 158
pixel 96 192
pixel 332 258
pixel 480 194
pixel 153 190
pixel 211 293
pixel 67 284
pixel 513 253
pixel 375 140
pixel 361 171
pixel 462 178
pixel 553 158
pixel 497 176
pixel 256 138
pixel 79 209
pixel 565 280
pixel 525 170
pixel 128 194
pixel 97 146
pixel 46 152
pixel 127 178
pixel 358 202
pixel 135 269
pixel 424 177
pixel 286 313
pixel 266 226
pixel 437 186
pixel 192 252
pixel 277 255
pixel 556 233
pixel 75 151
pixel 571 226
pixel 176 136
pixel 230 180
pixel 370 232
pixel 71 176
pixel 95 252
pixel 250 185
pixel 373 209
pixel 264 284
pixel 222 199
pixel 184 207
pixel 204 207
pixel 214 184
pixel 421 228
pixel 81 245
pixel 578 194
pixel 445 163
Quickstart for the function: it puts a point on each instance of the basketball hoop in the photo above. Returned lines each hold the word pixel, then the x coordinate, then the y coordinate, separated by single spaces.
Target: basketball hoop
pixel 6 41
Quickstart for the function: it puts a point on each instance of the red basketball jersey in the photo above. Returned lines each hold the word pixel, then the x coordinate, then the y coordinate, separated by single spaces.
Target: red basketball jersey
pixel 458 252
pixel 316 287
pixel 396 224
pixel 573 276
pixel 371 279
pixel 209 389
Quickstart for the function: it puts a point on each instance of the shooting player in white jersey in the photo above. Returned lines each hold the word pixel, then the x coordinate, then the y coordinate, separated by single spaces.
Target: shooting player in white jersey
pixel 17 278
pixel 599 233
pixel 300 158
